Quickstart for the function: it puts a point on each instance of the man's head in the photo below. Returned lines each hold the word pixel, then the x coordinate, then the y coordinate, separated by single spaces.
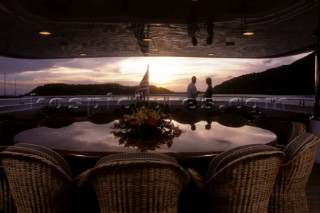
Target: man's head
pixel 194 79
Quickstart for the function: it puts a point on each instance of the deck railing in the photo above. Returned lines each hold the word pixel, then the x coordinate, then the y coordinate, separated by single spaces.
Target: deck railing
pixel 105 102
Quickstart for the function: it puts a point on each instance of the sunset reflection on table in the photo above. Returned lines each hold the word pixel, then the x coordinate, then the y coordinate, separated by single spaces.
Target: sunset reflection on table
pixel 88 137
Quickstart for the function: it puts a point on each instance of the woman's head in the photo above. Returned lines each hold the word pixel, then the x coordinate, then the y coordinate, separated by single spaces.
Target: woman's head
pixel 208 81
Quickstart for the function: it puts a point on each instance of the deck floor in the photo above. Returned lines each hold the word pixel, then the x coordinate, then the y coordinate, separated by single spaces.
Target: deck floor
pixel 313 190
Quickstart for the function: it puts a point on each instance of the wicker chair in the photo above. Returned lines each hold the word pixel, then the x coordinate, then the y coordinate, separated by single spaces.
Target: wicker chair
pixel 241 179
pixel 136 182
pixel 39 179
pixel 289 190
pixel 6 201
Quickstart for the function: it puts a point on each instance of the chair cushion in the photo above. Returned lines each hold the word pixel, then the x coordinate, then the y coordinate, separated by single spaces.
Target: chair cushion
pixel 296 145
pixel 42 152
pixel 228 156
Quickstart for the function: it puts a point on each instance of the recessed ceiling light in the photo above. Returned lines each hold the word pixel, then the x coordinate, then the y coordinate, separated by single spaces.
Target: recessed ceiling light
pixel 210 54
pixel 83 54
pixel 248 33
pixel 147 39
pixel 45 33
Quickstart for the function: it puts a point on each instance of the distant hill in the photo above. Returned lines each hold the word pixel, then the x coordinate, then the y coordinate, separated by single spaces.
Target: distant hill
pixel 92 89
pixel 294 79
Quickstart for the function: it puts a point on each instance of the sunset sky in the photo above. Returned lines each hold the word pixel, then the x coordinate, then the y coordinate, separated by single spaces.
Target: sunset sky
pixel 22 75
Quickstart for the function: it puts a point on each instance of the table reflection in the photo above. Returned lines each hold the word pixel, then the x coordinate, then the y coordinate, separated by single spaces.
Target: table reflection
pixel 146 136
pixel 88 137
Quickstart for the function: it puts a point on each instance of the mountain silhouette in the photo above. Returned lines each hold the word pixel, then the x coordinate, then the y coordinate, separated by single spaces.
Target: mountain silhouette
pixel 294 79
pixel 92 89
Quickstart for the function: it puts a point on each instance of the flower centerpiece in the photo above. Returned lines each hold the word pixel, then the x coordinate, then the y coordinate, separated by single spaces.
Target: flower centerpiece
pixel 146 129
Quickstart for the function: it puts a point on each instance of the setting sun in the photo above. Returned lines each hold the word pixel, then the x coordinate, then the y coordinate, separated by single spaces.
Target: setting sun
pixel 158 79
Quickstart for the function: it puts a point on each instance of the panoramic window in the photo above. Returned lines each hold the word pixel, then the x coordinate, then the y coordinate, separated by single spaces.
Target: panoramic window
pixel 21 76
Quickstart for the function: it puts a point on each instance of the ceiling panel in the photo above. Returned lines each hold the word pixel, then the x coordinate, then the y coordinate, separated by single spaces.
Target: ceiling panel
pixel 117 28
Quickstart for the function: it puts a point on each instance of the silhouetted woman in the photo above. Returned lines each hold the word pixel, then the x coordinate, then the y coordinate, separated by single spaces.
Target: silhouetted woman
pixel 209 91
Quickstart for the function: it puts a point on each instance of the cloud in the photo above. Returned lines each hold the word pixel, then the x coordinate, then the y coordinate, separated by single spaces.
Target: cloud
pixel 13 65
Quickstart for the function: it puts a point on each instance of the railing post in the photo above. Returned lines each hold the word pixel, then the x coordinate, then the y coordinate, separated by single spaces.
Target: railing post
pixel 316 77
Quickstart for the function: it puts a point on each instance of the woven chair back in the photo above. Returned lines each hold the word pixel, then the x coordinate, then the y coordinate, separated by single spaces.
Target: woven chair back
pixel 39 179
pixel 241 179
pixel 289 190
pixel 6 201
pixel 138 183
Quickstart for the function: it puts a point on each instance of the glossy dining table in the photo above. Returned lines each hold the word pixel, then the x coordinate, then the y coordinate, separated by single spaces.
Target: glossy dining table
pixel 200 140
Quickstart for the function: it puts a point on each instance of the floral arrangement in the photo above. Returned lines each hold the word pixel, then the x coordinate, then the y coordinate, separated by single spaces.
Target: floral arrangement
pixel 146 129
pixel 144 116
